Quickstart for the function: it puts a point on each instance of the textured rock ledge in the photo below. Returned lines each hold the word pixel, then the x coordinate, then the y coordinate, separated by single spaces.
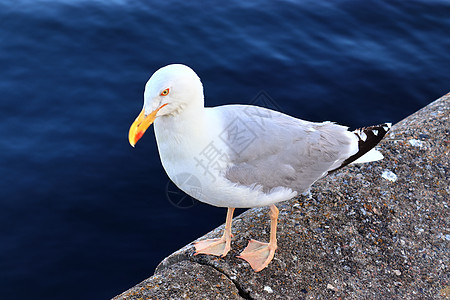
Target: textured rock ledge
pixel 373 231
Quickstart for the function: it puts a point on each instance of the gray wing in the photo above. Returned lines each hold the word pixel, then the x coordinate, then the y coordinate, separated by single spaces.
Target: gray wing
pixel 272 149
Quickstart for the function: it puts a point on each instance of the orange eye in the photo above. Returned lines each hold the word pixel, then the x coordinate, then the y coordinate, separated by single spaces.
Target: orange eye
pixel 165 92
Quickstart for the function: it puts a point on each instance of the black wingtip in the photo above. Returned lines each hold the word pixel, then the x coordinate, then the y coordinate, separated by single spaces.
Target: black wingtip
pixel 368 137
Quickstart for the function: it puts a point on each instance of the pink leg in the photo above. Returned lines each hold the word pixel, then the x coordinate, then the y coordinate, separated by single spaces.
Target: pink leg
pixel 259 254
pixel 217 247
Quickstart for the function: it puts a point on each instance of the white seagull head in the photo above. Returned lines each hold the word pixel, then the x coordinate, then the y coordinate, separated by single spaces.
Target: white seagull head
pixel 169 91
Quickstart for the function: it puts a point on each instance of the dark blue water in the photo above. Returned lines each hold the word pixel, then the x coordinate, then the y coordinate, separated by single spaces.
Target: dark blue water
pixel 84 215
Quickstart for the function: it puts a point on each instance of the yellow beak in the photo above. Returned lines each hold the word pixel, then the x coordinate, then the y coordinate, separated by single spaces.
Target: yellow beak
pixel 141 124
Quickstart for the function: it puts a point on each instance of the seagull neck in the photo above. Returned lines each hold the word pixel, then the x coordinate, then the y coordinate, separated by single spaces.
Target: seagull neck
pixel 188 124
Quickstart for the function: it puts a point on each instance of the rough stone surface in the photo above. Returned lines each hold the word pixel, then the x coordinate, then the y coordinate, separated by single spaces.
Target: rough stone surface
pixel 361 233
pixel 184 280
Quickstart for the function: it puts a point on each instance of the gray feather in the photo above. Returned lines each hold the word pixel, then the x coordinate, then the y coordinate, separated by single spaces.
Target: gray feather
pixel 272 149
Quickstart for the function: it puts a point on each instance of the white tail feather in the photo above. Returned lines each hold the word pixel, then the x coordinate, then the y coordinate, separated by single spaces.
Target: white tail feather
pixel 372 155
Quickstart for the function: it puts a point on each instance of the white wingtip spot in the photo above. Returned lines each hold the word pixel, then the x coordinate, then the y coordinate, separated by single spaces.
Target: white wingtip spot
pixel 387 126
pixel 363 136
pixel 375 132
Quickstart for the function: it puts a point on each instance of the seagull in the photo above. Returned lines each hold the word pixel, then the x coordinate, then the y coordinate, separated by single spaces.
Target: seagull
pixel 242 156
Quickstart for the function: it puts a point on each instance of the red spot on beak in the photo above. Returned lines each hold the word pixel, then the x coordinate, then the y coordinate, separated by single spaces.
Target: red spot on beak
pixel 139 134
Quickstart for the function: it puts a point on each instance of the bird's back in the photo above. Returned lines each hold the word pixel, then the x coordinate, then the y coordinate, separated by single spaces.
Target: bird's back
pixel 271 149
